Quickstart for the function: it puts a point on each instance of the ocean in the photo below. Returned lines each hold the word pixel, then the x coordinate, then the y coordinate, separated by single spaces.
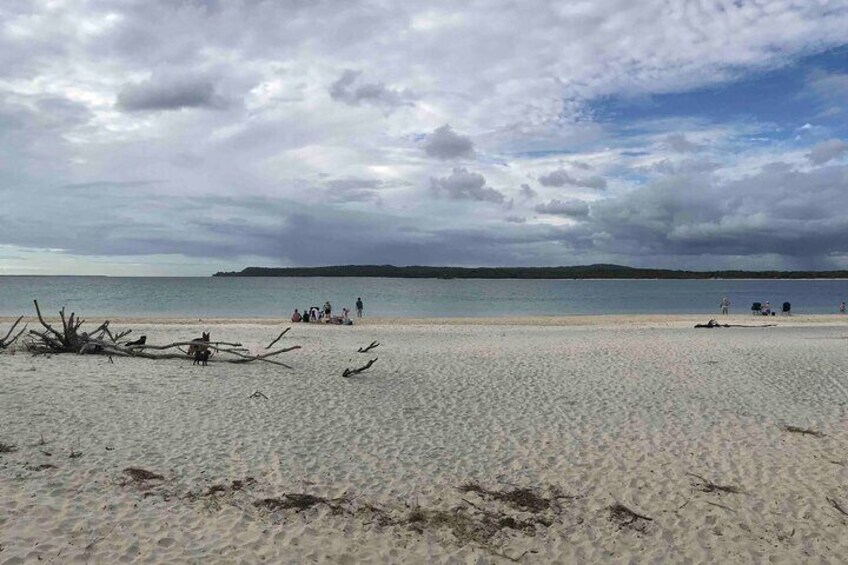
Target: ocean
pixel 210 297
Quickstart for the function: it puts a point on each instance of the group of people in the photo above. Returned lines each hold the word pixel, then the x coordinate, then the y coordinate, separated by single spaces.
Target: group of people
pixel 325 314
pixel 756 308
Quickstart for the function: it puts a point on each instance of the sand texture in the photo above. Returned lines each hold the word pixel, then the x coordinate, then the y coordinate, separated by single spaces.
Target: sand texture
pixel 466 442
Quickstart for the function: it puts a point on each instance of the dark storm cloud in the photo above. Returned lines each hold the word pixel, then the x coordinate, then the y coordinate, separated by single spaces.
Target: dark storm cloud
pixel 345 90
pixel 568 208
pixel 561 177
pixel 464 185
pixel 776 211
pixel 163 93
pixel 445 143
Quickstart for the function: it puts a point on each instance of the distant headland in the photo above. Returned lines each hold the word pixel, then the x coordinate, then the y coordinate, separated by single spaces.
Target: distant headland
pixel 599 271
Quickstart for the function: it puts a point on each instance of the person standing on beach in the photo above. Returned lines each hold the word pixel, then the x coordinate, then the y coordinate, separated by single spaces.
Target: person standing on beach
pixel 725 305
pixel 359 307
pixel 842 308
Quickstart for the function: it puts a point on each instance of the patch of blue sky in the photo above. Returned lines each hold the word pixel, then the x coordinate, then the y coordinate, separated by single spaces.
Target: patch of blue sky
pixel 781 97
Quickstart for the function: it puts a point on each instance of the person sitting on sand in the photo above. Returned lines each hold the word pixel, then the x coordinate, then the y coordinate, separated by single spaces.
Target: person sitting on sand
pixel 766 309
pixel 296 317
pixel 328 310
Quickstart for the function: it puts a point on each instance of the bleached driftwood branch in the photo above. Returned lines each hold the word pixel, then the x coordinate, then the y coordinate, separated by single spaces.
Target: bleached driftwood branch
pixel 104 342
pixel 7 341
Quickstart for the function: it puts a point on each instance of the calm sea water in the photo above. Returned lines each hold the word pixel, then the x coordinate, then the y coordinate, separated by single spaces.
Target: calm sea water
pixel 275 297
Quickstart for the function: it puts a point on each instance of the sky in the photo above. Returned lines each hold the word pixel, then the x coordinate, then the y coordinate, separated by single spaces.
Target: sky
pixel 167 137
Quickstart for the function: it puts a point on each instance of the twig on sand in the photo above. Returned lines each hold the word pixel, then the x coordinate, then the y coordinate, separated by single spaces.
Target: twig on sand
pixel 625 515
pixel 720 505
pixel 258 394
pixel 350 372
pixel 833 502
pixel 709 486
pixel 803 431
pixel 279 337
pixel 372 345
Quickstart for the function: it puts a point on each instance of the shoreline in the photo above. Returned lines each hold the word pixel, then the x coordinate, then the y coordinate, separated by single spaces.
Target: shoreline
pixel 592 320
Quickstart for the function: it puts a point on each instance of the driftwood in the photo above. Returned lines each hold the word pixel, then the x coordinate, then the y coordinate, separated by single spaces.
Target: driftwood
pixel 240 357
pixel 709 486
pixel 373 345
pixel 627 518
pixel 835 503
pixel 279 337
pixel 70 339
pixel 103 342
pixel 713 324
pixel 350 372
pixel 803 431
pixel 7 341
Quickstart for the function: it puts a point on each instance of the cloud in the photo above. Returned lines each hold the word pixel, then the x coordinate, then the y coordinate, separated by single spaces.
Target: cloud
pixel 101 94
pixel 164 93
pixel 445 143
pixel 354 190
pixel 344 90
pixel 515 219
pixel 679 167
pixel 464 185
pixel 527 193
pixel 679 143
pixel 777 211
pixel 561 177
pixel 826 151
pixel 568 208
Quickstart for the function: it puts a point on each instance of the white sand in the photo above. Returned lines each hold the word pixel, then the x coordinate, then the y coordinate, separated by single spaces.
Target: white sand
pixel 607 409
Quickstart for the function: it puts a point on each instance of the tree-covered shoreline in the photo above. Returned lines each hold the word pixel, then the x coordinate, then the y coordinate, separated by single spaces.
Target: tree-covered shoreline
pixel 573 272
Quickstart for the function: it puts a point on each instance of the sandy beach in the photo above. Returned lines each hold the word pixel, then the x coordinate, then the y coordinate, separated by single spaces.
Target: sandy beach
pixel 467 441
